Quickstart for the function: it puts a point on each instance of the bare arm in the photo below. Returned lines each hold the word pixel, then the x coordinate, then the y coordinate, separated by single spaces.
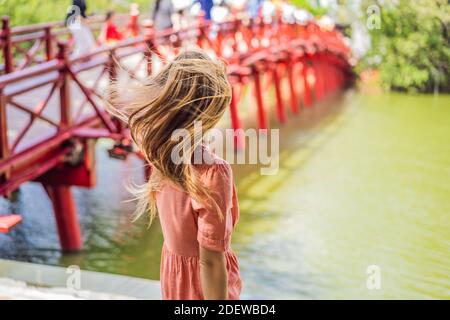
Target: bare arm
pixel 213 274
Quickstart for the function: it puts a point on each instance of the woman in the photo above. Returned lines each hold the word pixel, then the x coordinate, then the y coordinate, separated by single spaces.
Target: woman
pixel 196 203
pixel 83 40
pixel 162 15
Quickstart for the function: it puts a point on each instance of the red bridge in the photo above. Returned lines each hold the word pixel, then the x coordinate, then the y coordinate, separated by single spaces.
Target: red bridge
pixel 52 105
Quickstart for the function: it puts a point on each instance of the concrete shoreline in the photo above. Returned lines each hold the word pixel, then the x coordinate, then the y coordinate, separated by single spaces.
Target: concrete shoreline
pixel 23 280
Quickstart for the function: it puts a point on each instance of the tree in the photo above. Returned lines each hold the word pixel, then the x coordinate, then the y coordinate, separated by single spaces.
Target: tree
pixel 411 47
pixel 25 12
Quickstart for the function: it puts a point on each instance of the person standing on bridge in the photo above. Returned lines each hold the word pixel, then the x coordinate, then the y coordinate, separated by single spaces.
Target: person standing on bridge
pixel 82 37
pixel 162 15
pixel 196 202
pixel 132 29
pixel 109 33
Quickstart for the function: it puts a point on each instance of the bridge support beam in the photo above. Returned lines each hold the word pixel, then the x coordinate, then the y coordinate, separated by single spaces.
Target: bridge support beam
pixel 4 144
pixel 238 139
pixel 293 94
pixel 320 74
pixel 7 45
pixel 262 121
pixel 66 217
pixel 279 100
pixel 306 89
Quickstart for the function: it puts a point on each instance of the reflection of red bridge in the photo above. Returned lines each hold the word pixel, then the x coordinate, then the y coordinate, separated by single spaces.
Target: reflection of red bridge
pixel 51 113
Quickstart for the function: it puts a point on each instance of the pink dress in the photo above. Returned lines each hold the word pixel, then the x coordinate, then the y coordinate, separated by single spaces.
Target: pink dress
pixel 187 224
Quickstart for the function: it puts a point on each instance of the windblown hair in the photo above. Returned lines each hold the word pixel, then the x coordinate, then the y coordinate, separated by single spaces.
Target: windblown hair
pixel 192 87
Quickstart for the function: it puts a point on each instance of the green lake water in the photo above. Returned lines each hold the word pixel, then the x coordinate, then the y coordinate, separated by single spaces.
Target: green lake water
pixel 364 180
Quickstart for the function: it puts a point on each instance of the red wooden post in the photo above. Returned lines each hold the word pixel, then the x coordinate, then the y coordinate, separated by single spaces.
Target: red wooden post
pixel 280 106
pixel 236 24
pixel 262 122
pixel 4 145
pixel 48 43
pixel 317 77
pixel 60 194
pixel 335 78
pixel 219 39
pixel 336 72
pixel 112 73
pixel 262 29
pixel 320 76
pixel 149 34
pixel 306 90
pixel 330 72
pixel 293 94
pixel 235 121
pixel 253 27
pixel 326 75
pixel 64 93
pixel 7 45
pixel 66 217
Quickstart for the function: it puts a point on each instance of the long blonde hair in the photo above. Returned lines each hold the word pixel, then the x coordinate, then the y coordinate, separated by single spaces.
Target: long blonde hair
pixel 192 87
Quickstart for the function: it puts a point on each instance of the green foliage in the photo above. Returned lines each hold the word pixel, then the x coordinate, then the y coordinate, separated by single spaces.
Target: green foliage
pixel 312 6
pixel 411 49
pixel 24 12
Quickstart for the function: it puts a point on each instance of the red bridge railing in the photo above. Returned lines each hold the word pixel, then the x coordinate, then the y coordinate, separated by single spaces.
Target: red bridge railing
pixel 25 46
pixel 52 113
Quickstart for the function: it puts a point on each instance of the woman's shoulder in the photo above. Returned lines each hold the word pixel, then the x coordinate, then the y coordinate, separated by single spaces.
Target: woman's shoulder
pixel 213 166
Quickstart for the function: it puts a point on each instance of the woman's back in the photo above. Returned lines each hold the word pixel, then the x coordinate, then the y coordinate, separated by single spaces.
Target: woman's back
pixel 187 224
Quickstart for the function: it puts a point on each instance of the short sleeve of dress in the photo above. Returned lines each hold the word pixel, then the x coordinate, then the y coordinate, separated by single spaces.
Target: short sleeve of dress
pixel 214 233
